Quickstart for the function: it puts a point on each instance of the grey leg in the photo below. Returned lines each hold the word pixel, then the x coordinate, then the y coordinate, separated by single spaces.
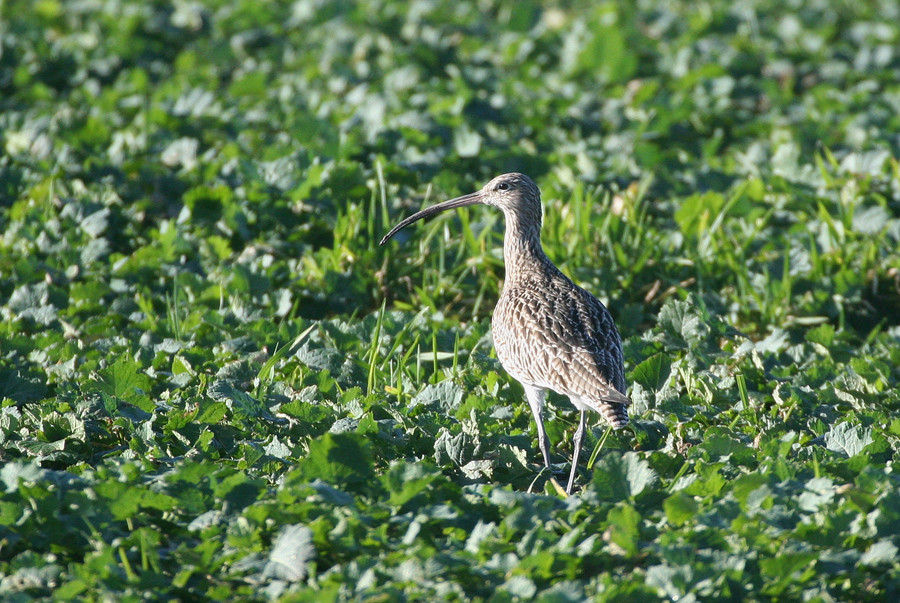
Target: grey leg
pixel 579 436
pixel 536 397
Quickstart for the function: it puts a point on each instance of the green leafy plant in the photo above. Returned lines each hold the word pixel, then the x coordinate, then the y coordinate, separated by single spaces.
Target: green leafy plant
pixel 215 385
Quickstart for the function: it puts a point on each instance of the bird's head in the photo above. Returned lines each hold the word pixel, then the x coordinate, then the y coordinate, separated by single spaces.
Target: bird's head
pixel 515 194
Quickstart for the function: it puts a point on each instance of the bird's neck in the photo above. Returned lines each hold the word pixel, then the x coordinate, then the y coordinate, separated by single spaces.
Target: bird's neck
pixel 522 250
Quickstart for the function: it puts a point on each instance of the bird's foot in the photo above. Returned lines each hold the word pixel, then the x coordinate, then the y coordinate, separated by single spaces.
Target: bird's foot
pixel 547 473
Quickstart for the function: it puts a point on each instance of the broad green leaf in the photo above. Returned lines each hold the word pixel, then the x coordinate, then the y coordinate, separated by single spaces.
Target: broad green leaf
pixel 12 472
pixel 682 319
pixel 520 586
pixel 881 552
pixel 125 500
pixel 466 141
pixel 789 569
pixel 126 380
pixel 870 220
pixel 9 513
pixel 458 448
pixel 238 490
pixel 745 485
pixel 480 533
pixel 623 525
pixel 445 395
pixel 697 212
pixel 621 476
pixel 341 459
pixel 820 491
pixel 822 334
pixel 22 389
pixel 405 481
pixel 210 412
pixel 290 555
pixel 680 508
pixel 242 404
pixel 847 438
pixel 653 372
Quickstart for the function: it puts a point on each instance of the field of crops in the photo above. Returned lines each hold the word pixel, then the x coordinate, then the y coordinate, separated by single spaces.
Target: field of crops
pixel 216 385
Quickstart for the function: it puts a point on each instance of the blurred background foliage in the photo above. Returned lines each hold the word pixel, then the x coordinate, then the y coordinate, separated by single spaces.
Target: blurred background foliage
pixel 207 360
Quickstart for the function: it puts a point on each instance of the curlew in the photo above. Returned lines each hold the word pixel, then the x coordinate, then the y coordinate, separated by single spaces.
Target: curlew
pixel 549 333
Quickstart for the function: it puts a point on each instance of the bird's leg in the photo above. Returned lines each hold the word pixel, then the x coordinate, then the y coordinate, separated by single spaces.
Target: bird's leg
pixel 579 436
pixel 536 397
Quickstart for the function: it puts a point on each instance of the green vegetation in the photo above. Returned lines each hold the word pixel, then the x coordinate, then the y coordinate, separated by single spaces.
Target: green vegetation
pixel 214 384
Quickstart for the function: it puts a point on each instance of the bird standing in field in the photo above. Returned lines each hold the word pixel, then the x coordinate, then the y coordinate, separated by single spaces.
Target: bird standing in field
pixel 549 333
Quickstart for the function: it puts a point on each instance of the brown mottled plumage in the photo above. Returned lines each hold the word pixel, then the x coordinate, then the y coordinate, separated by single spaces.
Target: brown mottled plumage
pixel 548 332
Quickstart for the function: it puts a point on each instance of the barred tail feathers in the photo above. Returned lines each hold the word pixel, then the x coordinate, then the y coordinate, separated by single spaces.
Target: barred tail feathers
pixel 615 413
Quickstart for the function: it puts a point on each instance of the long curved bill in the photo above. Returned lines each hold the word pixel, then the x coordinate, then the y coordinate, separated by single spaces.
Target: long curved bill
pixel 470 199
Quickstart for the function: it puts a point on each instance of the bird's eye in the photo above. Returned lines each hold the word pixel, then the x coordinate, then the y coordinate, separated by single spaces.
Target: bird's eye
pixel 503 186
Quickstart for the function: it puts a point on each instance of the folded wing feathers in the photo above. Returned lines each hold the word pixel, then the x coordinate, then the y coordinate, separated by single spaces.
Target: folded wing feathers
pixel 558 336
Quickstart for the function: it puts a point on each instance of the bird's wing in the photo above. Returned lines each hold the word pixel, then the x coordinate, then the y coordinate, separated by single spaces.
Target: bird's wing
pixel 557 335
